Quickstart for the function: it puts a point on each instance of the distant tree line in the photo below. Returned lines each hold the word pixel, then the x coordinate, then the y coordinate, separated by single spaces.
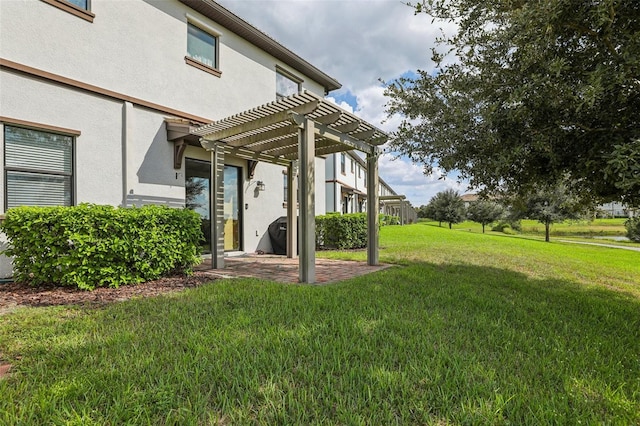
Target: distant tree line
pixel 548 206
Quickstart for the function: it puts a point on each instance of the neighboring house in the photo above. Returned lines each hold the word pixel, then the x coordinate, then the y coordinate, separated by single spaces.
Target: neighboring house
pixel 103 102
pixel 346 189
pixel 615 210
pixel 468 199
pixel 346 183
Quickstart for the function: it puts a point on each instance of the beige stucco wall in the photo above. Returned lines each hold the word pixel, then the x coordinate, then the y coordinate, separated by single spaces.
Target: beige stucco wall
pixel 138 48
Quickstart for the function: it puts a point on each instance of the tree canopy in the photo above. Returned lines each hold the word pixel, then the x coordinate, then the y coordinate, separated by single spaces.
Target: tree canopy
pixel 484 212
pixel 446 206
pixel 548 205
pixel 528 93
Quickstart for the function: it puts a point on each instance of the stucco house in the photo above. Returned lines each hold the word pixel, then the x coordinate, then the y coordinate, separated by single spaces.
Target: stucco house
pixel 346 189
pixel 132 104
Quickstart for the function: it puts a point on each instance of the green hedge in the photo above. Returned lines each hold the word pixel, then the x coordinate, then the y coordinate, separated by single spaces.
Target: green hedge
pixel 346 231
pixel 341 231
pixel 387 219
pixel 92 246
pixel 633 229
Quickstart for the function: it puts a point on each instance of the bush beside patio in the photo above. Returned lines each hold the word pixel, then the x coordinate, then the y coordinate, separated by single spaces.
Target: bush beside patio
pixel 89 246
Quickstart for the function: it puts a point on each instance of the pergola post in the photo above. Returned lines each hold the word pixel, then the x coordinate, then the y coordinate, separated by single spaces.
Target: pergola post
pixel 216 213
pixel 372 208
pixel 292 210
pixel 307 236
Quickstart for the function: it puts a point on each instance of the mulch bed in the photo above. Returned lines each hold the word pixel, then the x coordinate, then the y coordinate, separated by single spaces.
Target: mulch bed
pixel 21 294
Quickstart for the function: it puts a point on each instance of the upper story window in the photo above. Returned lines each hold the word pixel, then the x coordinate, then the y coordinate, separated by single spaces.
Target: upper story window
pixel 352 166
pixel 342 163
pixel 38 167
pixel 79 8
pixel 202 49
pixel 286 84
pixel 83 4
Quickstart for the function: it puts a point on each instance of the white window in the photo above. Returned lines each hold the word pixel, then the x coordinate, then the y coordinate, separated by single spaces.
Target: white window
pixel 286 85
pixel 202 46
pixel 38 168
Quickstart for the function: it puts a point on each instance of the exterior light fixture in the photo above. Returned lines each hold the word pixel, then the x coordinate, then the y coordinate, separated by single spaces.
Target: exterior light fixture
pixel 260 185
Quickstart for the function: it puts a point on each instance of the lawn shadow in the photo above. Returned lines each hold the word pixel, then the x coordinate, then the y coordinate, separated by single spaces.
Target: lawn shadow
pixel 410 344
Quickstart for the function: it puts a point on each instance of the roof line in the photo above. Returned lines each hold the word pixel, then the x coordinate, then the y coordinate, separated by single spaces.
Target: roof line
pixel 242 28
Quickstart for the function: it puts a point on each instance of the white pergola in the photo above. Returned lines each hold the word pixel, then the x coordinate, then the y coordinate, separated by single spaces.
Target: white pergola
pixel 399 202
pixel 291 132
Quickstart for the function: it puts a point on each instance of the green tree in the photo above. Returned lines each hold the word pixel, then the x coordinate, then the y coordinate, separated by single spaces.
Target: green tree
pixel 548 205
pixel 484 212
pixel 447 206
pixel 423 211
pixel 633 229
pixel 529 92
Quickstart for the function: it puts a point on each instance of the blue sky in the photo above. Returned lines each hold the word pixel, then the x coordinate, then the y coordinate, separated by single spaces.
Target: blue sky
pixel 358 42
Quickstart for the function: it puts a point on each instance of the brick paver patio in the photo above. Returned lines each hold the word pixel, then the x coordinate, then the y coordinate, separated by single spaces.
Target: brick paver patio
pixel 285 270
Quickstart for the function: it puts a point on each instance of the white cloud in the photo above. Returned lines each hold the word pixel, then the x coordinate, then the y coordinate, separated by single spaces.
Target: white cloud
pixel 409 179
pixel 342 104
pixel 358 42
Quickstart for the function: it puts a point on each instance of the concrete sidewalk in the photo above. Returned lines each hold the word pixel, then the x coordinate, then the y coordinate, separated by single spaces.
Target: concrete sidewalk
pixel 600 245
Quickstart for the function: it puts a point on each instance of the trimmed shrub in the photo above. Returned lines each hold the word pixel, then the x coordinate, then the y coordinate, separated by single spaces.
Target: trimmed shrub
pixel 633 229
pixel 341 231
pixel 387 219
pixel 90 246
pixel 508 227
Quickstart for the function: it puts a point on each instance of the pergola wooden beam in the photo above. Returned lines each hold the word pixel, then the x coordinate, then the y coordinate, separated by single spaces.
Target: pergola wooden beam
pixel 347 128
pixel 373 220
pixel 277 143
pixel 307 237
pixel 291 151
pixel 261 122
pixel 263 136
pixel 288 132
pixel 327 132
pixel 329 118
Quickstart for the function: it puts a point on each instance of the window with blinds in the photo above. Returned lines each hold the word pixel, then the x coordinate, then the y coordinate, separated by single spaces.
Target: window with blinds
pixel 201 46
pixel 38 168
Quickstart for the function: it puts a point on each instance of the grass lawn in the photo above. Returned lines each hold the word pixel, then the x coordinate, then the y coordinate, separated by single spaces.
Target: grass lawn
pixel 594 228
pixel 468 329
pixel 604 231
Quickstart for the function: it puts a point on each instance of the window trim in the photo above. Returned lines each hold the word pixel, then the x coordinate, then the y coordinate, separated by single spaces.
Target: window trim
pixel 72 9
pixel 12 122
pixel 215 70
pixel 38 126
pixel 203 67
